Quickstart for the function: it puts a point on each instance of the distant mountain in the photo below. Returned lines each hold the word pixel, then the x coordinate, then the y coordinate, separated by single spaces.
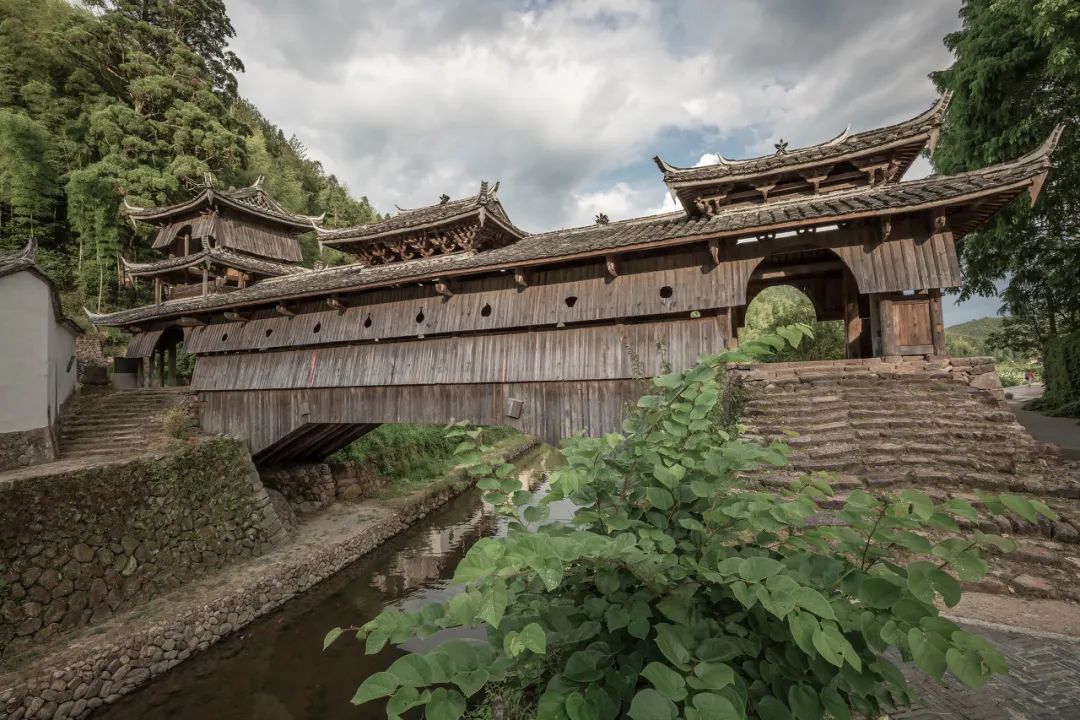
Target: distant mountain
pixel 977 330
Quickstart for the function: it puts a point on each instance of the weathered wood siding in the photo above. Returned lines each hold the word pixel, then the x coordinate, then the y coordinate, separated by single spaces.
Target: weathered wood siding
pixel 262 239
pixel 498 303
pixel 912 259
pixel 551 410
pixel 589 353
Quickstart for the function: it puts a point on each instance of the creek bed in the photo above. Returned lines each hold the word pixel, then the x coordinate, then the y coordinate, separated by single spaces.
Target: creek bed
pixel 275 669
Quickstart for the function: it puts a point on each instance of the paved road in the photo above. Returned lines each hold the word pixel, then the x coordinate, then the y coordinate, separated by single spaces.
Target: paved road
pixel 1043 683
pixel 1063 432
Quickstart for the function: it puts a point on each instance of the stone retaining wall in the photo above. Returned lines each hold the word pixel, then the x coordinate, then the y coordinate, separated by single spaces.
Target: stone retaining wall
pixel 976 372
pixel 313 486
pixel 98 671
pixel 78 546
pixel 30 447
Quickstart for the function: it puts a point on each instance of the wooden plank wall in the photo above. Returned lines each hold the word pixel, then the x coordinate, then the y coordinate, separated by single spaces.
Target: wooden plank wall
pixel 497 303
pixel 912 259
pixel 551 410
pixel 261 239
pixel 589 353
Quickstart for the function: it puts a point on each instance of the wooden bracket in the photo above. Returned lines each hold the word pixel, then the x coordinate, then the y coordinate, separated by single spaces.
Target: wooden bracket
pixel 612 269
pixel 1036 187
pixel 282 310
pixel 938 221
pixel 443 288
pixel 765 189
pixel 519 278
pixel 234 316
pixel 336 303
pixel 886 227
pixel 188 321
pixel 714 250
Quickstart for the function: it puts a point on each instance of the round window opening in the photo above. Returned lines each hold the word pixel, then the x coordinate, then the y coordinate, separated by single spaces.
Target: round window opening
pixel 420 316
pixel 224 337
pixel 485 311
pixel 367 323
pixel 317 328
pixel 571 301
pixel 666 292
pixel 269 332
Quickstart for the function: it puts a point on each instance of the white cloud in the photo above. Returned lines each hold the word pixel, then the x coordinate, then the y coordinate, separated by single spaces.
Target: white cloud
pixel 407 100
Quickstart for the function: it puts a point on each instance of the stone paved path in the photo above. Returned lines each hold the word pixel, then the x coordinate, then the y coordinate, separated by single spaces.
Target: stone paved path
pixel 1043 683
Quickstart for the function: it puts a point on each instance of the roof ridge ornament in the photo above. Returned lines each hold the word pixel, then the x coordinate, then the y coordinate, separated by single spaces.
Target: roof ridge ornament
pixel 839 139
pixel 443 199
pixel 781 147
pixel 602 219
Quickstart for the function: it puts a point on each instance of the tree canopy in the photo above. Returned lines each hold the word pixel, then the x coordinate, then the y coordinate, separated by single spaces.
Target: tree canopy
pixel 115 99
pixel 1016 76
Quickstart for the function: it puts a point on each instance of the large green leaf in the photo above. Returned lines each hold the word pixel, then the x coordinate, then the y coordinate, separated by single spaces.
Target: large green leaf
pixel 648 704
pixel 445 705
pixel 667 682
pixel 376 685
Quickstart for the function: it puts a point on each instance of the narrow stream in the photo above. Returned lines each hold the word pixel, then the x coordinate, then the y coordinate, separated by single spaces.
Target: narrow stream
pixel 275 669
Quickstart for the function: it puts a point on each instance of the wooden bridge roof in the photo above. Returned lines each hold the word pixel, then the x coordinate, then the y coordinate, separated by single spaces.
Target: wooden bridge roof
pixel 907 138
pixel 219 255
pixel 484 205
pixel 252 200
pixel 986 190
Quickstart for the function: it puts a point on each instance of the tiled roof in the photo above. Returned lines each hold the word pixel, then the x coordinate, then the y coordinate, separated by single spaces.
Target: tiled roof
pixel 1004 181
pixel 253 200
pixel 486 201
pixel 215 254
pixel 915 131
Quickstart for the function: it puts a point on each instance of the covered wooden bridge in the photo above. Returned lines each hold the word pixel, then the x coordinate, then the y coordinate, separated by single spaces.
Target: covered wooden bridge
pixel 452 311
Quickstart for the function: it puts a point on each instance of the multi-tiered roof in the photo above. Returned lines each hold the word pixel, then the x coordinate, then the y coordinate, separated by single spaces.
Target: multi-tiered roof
pixel 470 224
pixel 852 178
pixel 847 161
pixel 232 238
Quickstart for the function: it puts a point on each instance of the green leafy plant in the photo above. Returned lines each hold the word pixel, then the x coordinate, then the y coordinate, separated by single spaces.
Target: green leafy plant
pixel 682 589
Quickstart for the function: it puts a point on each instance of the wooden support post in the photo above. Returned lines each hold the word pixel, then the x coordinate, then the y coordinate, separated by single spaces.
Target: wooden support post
pixel 937 322
pixel 157 291
pixel 875 326
pixel 852 320
pixel 161 367
pixel 172 365
pixel 187 245
pixel 205 281
pixel 888 327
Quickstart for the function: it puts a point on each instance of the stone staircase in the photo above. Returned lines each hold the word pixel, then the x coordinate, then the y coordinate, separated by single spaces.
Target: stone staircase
pixel 101 424
pixel 940 426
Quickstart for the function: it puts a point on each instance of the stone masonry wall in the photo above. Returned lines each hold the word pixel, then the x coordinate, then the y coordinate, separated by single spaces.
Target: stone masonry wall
pixel 19 449
pixel 976 372
pixel 307 487
pixel 78 546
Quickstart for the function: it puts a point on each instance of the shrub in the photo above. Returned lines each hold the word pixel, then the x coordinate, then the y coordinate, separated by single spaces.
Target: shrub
pixel 682 590
pixel 177 423
pixel 1062 367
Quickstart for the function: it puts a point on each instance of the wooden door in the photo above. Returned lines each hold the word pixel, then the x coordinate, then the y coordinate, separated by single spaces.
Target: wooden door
pixel 910 326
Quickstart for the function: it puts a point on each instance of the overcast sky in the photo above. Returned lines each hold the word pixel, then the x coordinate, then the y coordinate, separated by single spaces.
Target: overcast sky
pixel 566 102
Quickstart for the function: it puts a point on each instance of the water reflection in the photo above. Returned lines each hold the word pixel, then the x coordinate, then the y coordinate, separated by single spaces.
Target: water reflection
pixel 276 669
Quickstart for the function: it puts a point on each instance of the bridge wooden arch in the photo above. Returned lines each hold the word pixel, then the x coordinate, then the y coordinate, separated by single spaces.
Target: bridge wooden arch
pixel 454 312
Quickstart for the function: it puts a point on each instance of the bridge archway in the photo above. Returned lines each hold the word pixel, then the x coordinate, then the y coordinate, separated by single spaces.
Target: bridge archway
pixel 827 281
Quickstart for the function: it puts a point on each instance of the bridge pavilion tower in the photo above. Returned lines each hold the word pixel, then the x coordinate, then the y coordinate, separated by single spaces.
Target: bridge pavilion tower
pixel 219 241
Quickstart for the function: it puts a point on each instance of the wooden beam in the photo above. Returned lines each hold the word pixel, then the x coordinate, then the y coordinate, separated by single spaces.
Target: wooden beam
pixel 612 269
pixel 714 250
pixel 282 310
pixel 797 270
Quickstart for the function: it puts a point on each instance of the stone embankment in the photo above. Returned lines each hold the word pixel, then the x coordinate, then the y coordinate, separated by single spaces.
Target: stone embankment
pixel 75 674
pixel 81 544
pixel 938 425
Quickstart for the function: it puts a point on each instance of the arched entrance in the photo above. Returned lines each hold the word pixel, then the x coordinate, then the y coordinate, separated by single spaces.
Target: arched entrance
pixel 785 304
pixel 164 355
pixel 823 277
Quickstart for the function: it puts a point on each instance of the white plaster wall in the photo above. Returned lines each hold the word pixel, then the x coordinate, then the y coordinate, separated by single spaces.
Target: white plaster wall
pixel 28 395
pixel 62 366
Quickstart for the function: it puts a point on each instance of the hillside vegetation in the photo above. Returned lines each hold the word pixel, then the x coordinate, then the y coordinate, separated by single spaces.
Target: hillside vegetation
pixel 103 100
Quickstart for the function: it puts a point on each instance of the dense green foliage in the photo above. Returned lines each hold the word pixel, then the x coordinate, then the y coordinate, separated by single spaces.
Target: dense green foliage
pixel 1062 377
pixel 129 99
pixel 406 452
pixel 1015 77
pixel 678 590
pixel 970 339
pixel 783 305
